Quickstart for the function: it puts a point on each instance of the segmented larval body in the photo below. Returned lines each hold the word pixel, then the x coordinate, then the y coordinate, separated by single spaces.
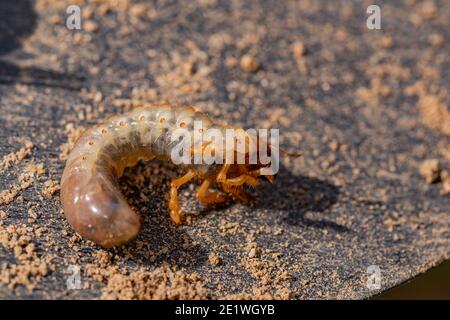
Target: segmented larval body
pixel 90 195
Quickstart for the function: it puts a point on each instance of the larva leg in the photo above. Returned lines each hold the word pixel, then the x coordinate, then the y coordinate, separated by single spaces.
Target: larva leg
pixel 174 207
pixel 256 173
pixel 269 178
pixel 212 197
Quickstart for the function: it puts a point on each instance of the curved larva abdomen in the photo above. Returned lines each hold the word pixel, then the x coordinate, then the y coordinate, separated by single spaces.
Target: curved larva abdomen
pixel 90 195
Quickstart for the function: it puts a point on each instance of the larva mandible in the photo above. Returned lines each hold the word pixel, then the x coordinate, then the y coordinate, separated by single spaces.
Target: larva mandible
pixel 90 194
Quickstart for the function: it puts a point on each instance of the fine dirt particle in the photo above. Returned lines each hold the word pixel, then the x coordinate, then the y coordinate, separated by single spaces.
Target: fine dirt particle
pixel 273 282
pixel 90 26
pixel 50 187
pixel 435 39
pixel 445 177
pixel 431 170
pixel 249 63
pixel 31 266
pixel 387 41
pixel 434 113
pixel 27 273
pixel 161 283
pixel 73 134
pixel 141 10
pixel 214 259
pixel 372 95
pixel 298 49
pixel 26 179
pixel 252 253
pixel 14 158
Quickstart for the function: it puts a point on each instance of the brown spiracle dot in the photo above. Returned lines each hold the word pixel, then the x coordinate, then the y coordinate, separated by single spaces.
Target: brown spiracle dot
pixel 84 157
pixel 104 131
pixel 141 118
pixel 162 120
pixel 91 143
pixel 122 123
pixel 201 130
pixel 182 124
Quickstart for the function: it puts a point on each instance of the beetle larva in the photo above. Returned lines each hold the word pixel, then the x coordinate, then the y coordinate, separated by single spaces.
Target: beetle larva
pixel 90 194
